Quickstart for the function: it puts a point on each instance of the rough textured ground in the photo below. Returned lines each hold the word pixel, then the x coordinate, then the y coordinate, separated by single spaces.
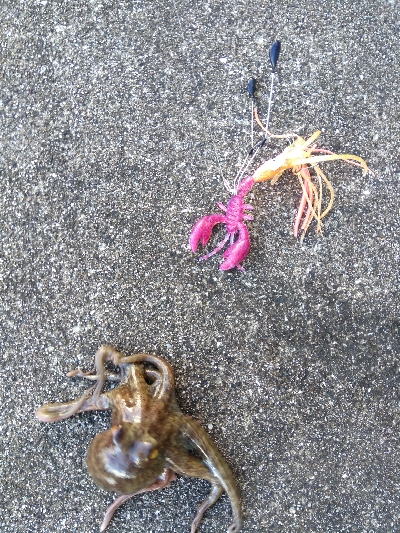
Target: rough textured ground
pixel 108 115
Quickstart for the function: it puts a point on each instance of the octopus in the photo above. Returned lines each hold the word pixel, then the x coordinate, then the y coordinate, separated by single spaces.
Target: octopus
pixel 150 439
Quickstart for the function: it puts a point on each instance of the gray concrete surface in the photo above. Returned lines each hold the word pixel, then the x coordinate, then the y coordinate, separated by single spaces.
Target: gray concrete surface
pixel 106 161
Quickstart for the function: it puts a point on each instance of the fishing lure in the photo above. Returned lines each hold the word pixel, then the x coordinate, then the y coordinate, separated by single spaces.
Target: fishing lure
pixel 302 157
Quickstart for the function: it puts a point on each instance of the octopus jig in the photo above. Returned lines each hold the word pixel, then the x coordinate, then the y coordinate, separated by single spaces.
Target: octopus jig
pixel 302 157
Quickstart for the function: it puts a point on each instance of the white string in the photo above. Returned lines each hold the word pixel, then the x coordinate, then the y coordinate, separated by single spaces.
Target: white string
pixel 270 101
pixel 252 121
pixel 247 162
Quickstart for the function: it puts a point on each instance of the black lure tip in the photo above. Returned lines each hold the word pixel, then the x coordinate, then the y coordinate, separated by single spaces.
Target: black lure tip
pixel 251 87
pixel 262 143
pixel 274 54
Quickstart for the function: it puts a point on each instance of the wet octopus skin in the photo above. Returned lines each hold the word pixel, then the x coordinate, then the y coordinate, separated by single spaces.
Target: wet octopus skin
pixel 150 439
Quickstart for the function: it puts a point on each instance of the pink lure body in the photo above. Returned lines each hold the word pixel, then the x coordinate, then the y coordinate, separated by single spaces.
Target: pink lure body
pixel 233 218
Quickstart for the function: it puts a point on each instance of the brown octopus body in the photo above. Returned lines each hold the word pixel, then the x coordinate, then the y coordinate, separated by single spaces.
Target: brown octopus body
pixel 150 439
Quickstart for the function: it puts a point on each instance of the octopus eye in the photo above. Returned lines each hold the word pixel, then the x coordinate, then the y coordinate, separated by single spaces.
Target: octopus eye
pixel 154 454
pixel 142 451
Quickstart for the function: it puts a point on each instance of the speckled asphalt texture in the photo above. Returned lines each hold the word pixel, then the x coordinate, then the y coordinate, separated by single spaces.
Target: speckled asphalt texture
pixel 109 112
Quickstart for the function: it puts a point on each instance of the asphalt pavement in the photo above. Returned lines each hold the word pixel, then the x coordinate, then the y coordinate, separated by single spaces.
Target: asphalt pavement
pixel 117 121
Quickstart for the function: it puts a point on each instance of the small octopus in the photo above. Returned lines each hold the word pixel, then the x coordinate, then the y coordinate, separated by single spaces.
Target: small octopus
pixel 150 439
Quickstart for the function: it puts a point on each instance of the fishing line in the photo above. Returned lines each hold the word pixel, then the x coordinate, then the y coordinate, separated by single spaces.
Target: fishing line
pixel 273 57
pixel 251 87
